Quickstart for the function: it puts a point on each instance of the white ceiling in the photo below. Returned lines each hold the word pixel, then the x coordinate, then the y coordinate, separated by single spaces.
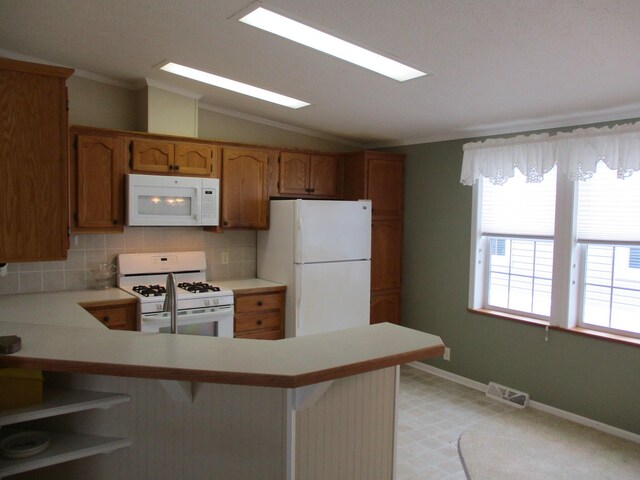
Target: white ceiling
pixel 498 65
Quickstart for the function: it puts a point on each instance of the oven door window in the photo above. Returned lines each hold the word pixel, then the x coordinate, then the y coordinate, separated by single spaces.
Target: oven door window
pixel 204 329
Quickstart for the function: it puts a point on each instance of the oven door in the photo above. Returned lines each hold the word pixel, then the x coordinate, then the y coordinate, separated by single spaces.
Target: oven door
pixel 209 321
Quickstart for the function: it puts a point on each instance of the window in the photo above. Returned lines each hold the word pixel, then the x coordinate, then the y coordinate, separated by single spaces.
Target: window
pixel 561 241
pixel 517 223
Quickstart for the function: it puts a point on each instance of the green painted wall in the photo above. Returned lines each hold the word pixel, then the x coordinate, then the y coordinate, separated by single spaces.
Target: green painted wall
pixel 589 377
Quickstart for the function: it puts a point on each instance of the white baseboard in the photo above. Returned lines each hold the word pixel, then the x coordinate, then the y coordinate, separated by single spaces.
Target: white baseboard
pixel 603 427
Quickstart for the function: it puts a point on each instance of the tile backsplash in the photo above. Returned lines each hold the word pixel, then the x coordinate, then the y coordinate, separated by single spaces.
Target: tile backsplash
pixel 87 249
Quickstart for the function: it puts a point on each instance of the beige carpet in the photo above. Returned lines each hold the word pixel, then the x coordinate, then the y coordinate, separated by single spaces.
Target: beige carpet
pixel 531 445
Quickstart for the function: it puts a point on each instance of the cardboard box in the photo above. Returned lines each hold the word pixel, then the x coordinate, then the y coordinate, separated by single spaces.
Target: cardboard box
pixel 20 387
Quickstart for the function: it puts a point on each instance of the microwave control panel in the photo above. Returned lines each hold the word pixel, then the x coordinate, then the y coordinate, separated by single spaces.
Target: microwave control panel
pixel 210 202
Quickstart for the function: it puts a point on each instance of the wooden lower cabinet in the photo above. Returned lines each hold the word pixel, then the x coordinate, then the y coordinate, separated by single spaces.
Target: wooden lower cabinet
pixel 386 255
pixel 120 316
pixel 259 314
pixel 385 307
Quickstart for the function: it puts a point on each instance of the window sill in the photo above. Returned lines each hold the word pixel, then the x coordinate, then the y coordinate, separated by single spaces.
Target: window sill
pixel 611 337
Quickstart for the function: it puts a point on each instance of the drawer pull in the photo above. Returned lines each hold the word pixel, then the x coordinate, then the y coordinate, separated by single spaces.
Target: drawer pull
pixel 259 322
pixel 106 318
pixel 260 303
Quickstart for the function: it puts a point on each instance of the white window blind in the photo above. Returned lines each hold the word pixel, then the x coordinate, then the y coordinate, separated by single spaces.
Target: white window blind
pixel 608 207
pixel 519 208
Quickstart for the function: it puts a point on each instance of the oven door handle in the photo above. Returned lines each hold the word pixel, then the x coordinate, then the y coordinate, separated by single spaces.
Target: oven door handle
pixel 187 318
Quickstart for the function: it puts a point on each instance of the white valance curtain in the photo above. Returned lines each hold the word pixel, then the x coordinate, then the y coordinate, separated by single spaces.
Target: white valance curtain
pixel 576 154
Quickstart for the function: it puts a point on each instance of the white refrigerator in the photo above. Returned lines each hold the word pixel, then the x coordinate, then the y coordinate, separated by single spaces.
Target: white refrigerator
pixel 321 250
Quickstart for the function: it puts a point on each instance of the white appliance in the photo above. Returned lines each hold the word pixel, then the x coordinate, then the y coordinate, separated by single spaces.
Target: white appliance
pixel 159 200
pixel 322 251
pixel 203 308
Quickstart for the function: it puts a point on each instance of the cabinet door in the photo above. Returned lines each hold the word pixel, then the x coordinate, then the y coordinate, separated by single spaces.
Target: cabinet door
pixel 385 308
pixel 34 198
pixel 153 156
pixel 294 174
pixel 245 200
pixel 386 255
pixel 99 182
pixel 324 180
pixel 117 317
pixel 384 184
pixel 193 159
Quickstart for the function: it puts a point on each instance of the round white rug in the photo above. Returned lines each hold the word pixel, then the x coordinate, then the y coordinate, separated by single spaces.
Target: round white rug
pixel 531 445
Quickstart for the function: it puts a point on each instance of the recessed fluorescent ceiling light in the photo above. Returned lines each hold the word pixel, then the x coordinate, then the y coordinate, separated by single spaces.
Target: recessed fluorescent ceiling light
pixel 229 84
pixel 297 32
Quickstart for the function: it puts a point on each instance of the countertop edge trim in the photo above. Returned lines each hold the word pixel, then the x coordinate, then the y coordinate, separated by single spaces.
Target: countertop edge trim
pixel 234 378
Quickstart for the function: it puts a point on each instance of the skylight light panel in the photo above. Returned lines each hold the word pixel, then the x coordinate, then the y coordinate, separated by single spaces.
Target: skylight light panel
pixel 311 37
pixel 228 84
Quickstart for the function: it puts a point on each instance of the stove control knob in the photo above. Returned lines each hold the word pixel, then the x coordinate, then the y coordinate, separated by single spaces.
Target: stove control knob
pixel 159 308
pixel 207 302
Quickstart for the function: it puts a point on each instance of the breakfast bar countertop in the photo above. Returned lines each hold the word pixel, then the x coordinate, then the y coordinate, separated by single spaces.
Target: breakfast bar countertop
pixel 59 335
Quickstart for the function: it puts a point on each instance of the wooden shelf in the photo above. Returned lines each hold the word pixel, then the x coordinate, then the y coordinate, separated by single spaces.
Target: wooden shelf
pixel 59 402
pixel 64 447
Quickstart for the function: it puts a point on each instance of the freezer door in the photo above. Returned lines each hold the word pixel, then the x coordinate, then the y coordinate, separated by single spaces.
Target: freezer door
pixel 332 231
pixel 330 296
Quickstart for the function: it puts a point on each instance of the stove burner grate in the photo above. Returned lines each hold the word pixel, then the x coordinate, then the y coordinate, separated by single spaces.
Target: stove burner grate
pixel 198 287
pixel 150 290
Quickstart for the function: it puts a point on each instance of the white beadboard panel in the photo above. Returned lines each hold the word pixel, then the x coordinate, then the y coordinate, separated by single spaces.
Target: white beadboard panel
pixel 229 432
pixel 349 432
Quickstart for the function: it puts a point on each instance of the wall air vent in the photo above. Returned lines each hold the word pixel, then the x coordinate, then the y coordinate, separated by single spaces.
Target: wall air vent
pixel 507 395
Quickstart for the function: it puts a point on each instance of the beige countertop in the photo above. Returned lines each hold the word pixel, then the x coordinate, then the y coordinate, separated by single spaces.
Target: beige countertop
pixel 58 308
pixel 248 284
pixel 58 335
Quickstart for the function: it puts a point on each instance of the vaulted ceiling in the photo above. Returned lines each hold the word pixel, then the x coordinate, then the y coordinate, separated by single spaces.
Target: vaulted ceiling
pixel 497 65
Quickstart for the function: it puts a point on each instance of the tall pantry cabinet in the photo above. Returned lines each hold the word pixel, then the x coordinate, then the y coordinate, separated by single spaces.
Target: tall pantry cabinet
pixel 33 162
pixel 379 176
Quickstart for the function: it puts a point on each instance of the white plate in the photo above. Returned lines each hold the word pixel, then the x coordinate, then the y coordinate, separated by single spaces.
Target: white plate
pixel 24 444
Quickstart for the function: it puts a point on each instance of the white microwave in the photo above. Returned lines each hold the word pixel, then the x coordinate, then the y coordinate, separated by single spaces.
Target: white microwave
pixel 157 200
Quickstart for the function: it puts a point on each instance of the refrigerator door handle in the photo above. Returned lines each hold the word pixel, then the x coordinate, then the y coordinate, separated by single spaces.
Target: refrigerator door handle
pixel 298 284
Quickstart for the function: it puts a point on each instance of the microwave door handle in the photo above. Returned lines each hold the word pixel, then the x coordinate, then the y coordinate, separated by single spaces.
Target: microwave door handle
pixel 196 216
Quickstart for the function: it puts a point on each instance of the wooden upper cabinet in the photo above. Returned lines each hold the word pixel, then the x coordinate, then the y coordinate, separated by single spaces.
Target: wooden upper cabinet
pixel 294 173
pixel 97 182
pixel 194 159
pixel 303 174
pixel 174 157
pixel 384 184
pixel 245 198
pixel 378 176
pixel 152 156
pixel 34 205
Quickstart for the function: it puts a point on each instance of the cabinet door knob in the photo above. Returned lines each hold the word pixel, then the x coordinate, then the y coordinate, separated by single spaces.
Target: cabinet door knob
pixel 115 221
pixel 176 167
pixel 259 322
pixel 105 318
pixel 260 303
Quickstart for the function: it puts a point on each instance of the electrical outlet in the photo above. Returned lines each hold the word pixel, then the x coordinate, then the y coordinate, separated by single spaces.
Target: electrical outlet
pixel 224 258
pixel 447 354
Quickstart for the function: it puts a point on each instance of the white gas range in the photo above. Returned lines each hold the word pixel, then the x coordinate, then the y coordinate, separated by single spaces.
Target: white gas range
pixel 203 308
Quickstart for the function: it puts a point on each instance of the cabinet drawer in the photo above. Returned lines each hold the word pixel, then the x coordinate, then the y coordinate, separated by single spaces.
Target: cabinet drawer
pixel 258 303
pixel 116 318
pixel 255 321
pixel 262 335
